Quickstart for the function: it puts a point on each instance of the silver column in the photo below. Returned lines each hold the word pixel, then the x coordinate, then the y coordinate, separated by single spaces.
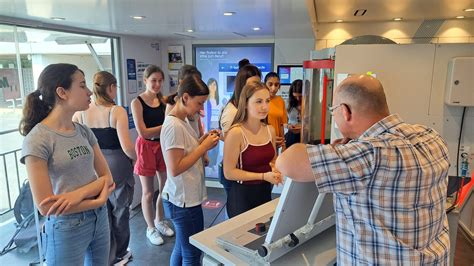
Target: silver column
pixel 316 81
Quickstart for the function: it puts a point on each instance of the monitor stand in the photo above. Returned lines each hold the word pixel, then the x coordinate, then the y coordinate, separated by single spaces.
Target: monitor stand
pixel 301 214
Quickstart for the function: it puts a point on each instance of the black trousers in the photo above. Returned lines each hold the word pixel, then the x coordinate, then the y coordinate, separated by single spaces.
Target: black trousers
pixel 292 138
pixel 243 197
pixel 119 202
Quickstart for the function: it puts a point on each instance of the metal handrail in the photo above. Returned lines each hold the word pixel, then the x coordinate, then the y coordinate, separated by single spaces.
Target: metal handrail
pixel 8 131
pixel 7 182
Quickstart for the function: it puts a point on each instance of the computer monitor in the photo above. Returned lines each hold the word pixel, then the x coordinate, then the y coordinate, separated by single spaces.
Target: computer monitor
pixel 294 209
pixel 289 73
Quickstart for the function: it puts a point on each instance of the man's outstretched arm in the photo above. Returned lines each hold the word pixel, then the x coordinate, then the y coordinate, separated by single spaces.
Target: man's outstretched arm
pixel 294 163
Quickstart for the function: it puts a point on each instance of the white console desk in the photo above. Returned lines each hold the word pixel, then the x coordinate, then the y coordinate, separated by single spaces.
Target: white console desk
pixel 321 250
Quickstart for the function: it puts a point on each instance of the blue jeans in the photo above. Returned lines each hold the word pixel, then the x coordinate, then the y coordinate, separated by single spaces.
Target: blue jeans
pixel 187 222
pixel 78 239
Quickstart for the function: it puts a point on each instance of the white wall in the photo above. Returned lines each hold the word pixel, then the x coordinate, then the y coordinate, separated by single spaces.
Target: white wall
pixel 141 49
pixel 414 78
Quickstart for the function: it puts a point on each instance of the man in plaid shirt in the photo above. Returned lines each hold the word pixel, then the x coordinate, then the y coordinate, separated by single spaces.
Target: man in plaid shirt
pixel 389 179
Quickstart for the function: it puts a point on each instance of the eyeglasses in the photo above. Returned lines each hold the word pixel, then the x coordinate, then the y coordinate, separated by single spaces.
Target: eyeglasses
pixel 333 108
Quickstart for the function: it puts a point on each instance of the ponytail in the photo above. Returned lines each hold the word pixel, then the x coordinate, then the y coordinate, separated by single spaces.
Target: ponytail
pixel 171 100
pixel 34 111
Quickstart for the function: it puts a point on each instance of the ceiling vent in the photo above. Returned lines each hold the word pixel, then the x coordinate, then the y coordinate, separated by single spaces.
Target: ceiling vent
pixel 427 30
pixel 360 12
pixel 368 39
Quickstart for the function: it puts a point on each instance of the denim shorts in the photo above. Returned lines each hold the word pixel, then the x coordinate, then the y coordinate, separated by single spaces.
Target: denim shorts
pixel 77 239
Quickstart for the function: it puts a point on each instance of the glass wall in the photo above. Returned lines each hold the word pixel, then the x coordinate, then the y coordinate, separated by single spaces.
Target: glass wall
pixel 24 53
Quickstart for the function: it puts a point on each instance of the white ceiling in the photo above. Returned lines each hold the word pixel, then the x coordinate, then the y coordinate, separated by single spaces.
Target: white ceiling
pixel 171 19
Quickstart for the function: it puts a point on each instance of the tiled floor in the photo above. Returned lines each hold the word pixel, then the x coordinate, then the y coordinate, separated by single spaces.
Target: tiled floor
pixel 146 254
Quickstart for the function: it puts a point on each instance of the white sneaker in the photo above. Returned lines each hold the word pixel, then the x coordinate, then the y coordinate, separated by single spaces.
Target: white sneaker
pixel 154 236
pixel 128 255
pixel 123 260
pixel 164 228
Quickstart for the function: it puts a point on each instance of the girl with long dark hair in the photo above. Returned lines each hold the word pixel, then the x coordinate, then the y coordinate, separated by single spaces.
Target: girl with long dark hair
pixel 294 113
pixel 68 174
pixel 183 150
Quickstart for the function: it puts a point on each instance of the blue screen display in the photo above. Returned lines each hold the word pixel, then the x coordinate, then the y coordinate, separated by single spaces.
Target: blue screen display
pixel 288 74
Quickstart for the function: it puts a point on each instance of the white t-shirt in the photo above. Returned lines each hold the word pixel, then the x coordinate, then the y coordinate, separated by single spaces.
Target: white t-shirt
pixel 228 114
pixel 187 189
pixel 194 123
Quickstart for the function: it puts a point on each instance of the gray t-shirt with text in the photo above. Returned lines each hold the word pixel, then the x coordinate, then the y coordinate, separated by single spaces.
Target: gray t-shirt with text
pixel 70 157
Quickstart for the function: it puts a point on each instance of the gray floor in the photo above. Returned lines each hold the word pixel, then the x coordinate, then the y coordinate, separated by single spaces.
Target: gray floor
pixel 145 253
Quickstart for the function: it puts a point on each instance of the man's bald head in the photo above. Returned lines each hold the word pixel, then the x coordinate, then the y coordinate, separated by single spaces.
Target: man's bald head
pixel 364 94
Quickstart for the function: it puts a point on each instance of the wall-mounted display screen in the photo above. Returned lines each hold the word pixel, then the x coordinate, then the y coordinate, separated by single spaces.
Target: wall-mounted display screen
pixel 219 65
pixel 289 73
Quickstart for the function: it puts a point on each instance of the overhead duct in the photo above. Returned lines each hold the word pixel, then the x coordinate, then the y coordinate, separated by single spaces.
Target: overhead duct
pixel 427 30
pixel 368 39
pixel 67 40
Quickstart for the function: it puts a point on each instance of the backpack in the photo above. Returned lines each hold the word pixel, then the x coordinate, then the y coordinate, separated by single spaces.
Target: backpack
pixel 24 205
pixel 24 237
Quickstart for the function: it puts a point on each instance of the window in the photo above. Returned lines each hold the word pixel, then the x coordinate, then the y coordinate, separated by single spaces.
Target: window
pixel 24 53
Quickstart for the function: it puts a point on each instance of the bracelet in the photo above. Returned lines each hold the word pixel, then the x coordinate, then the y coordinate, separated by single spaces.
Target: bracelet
pixel 263 176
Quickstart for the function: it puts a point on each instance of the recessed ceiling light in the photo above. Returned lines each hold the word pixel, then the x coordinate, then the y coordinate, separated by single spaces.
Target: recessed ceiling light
pixel 57 18
pixel 469 9
pixel 397 19
pixel 339 20
pixel 229 13
pixel 256 28
pixel 138 17
pixel 460 17
pixel 190 30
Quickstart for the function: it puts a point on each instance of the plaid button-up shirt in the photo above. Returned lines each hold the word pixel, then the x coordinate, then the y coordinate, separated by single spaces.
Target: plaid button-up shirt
pixel 390 194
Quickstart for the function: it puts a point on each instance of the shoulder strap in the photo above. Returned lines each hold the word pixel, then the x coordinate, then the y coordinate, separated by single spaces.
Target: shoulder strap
pixel 142 101
pixel 83 117
pixel 269 133
pixel 246 143
pixel 244 136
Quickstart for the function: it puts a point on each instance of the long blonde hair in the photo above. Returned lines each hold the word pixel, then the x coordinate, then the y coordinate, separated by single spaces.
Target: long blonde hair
pixel 247 91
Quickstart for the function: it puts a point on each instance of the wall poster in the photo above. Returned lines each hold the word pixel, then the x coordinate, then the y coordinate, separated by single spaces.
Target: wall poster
pixel 175 57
